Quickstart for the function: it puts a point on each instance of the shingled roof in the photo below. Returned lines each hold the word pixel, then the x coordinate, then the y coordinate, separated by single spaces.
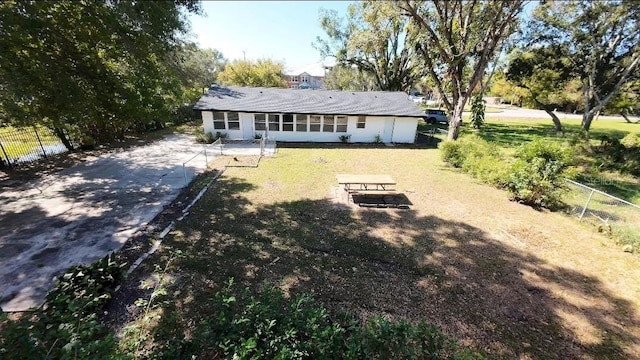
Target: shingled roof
pixel 329 102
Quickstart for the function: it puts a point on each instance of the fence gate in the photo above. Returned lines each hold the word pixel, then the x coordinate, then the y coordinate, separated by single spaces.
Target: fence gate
pixel 24 145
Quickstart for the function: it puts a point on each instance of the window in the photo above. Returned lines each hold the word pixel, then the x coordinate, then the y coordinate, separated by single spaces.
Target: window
pixel 362 121
pixel 233 121
pixel 301 122
pixel 294 79
pixel 305 78
pixel 287 122
pixel 314 123
pixel 274 122
pixel 218 120
pixel 341 123
pixel 329 122
pixel 259 122
pixel 295 87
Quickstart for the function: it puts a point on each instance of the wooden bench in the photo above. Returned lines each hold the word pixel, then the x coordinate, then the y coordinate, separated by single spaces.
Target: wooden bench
pixel 374 192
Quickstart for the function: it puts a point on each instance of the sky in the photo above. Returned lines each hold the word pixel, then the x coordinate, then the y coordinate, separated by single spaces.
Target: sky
pixel 279 30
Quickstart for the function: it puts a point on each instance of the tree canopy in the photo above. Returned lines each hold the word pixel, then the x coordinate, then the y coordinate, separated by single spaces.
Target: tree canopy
pixel 97 68
pixel 374 38
pixel 602 40
pixel 456 40
pixel 348 78
pixel 263 72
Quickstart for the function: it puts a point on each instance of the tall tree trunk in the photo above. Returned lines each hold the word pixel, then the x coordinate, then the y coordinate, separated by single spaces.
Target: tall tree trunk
pixel 587 118
pixel 456 118
pixel 555 119
pixel 626 118
pixel 63 137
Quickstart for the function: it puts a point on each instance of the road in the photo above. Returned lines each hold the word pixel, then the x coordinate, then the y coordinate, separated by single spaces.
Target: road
pixel 80 214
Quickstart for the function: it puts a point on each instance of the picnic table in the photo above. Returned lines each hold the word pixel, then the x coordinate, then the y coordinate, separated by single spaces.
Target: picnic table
pixel 365 182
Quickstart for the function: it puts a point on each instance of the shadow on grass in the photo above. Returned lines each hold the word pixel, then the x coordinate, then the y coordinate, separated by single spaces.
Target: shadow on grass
pixel 395 263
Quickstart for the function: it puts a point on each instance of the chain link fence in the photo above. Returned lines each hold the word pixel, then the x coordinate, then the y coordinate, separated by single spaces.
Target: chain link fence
pixel 23 145
pixel 611 215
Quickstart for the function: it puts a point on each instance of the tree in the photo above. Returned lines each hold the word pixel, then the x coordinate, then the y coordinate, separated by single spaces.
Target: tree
pixel 348 78
pixel 506 90
pixel 374 38
pixel 544 72
pixel 96 68
pixel 601 37
pixel 456 40
pixel 197 68
pixel 264 72
pixel 626 102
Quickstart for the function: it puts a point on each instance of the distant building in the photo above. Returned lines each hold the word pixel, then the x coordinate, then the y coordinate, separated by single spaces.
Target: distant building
pixel 307 77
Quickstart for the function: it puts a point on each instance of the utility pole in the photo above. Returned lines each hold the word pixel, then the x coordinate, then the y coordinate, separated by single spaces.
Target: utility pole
pixel 244 56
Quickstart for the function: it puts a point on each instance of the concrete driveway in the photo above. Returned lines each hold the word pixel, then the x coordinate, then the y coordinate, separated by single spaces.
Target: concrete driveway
pixel 80 214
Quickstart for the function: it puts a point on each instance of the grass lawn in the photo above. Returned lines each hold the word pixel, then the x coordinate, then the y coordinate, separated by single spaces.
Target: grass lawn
pixel 498 276
pixel 18 142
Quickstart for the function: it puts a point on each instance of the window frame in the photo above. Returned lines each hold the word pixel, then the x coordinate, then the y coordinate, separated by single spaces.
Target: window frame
pixel 361 123
pixel 324 123
pixel 270 122
pixel 288 125
pixel 232 121
pixel 256 121
pixel 344 126
pixel 313 124
pixel 306 123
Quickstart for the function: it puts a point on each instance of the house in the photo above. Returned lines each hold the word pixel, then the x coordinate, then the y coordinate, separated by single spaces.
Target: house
pixel 308 77
pixel 314 116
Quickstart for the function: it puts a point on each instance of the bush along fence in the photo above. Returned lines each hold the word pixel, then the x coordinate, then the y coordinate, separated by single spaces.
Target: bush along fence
pixel 613 216
pixel 24 145
pixel 536 176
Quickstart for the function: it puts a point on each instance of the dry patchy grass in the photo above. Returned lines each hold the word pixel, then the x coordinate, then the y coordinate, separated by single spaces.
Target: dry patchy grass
pixel 498 276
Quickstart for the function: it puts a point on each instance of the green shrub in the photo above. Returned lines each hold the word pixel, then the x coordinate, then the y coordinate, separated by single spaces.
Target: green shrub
pixel 627 237
pixel 204 138
pixel 271 326
pixel 537 175
pixel 67 326
pixel 631 140
pixel 452 152
pixel 476 157
pixel 345 138
pixel 477 111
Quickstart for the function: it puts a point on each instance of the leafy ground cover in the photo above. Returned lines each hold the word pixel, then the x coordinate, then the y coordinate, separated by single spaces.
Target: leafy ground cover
pixel 498 276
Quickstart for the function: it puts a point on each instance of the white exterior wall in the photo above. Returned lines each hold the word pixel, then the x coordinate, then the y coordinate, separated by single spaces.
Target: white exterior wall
pixel 403 130
pixel 207 122
pixel 373 126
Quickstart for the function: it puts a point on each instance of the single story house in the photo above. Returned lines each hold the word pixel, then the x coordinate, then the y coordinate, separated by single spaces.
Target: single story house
pixel 313 116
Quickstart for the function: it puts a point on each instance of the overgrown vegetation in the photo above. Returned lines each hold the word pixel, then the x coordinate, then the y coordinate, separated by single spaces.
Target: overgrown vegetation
pixel 245 325
pixel 266 325
pixel 534 175
pixel 67 326
pixel 477 111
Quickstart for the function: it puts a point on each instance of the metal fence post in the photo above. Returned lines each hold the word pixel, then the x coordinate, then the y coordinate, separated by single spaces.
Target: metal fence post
pixel 5 154
pixel 586 205
pixel 40 142
pixel 184 172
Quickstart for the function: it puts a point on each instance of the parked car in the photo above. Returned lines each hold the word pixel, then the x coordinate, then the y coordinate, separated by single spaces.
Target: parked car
pixel 436 116
pixel 417 98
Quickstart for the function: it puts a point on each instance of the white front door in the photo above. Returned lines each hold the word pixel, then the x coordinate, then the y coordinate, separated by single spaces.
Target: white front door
pixel 388 130
pixel 247 126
